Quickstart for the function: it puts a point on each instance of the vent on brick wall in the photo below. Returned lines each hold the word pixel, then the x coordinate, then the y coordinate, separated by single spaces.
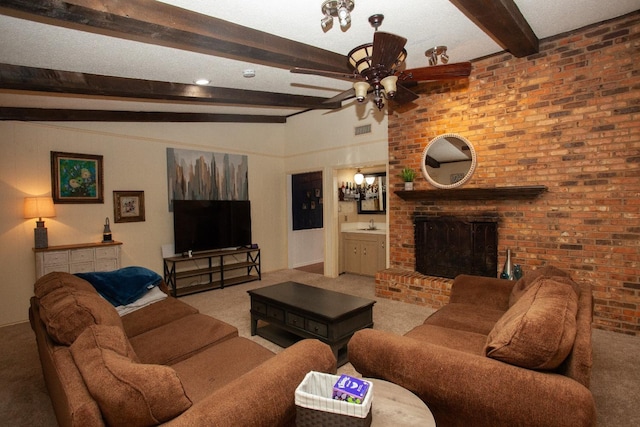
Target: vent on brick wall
pixel 361 130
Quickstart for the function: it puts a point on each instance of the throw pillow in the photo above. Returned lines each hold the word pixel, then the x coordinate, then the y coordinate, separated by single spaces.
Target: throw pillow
pixel 122 286
pixel 538 331
pixel 527 280
pixel 128 393
pixel 66 312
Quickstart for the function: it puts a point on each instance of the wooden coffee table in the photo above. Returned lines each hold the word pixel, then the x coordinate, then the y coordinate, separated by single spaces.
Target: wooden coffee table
pixel 294 311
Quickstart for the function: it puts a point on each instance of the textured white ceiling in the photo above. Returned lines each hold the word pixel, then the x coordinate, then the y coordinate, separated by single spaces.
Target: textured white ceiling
pixel 424 23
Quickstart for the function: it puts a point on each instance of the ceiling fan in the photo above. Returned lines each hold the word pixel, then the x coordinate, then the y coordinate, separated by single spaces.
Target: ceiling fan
pixel 376 68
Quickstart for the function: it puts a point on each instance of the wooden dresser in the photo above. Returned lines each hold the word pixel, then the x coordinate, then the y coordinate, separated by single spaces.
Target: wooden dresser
pixel 78 258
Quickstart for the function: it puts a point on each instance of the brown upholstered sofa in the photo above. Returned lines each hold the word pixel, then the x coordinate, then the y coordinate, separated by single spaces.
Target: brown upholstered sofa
pixel 501 353
pixel 165 363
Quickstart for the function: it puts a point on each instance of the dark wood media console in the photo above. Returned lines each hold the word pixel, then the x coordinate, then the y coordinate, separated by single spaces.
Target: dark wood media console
pixel 204 271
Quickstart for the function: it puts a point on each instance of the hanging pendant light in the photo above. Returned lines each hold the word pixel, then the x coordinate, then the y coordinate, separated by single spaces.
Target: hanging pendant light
pixel 358 177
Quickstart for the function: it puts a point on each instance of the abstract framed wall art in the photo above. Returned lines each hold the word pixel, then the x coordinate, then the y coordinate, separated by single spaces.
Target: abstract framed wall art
pixel 202 175
pixel 128 206
pixel 76 178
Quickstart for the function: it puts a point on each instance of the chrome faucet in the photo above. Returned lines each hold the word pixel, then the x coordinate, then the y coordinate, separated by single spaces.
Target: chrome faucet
pixel 371 225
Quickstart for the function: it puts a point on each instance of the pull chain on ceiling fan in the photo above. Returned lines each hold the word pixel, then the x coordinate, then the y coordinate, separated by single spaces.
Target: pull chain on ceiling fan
pixel 376 68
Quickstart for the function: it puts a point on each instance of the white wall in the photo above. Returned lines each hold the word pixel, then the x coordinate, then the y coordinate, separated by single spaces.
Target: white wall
pixel 134 159
pixel 326 141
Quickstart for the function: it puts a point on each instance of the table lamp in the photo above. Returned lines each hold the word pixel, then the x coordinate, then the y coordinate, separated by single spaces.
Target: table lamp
pixel 39 207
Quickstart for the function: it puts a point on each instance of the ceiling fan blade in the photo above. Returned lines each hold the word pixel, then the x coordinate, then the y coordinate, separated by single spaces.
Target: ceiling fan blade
pixel 404 95
pixel 436 72
pixel 323 73
pixel 342 96
pixel 386 48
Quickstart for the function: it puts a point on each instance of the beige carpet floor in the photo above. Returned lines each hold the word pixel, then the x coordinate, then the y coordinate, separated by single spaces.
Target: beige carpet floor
pixel 24 400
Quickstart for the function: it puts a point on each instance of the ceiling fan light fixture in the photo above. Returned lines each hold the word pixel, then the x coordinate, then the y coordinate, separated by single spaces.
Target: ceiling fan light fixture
pixel 361 89
pixel 360 57
pixel 389 84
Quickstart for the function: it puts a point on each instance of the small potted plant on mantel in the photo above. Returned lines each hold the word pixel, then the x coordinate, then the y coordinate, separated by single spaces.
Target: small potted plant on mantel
pixel 408 175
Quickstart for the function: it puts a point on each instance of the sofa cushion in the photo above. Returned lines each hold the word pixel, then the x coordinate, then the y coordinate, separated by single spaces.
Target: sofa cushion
pixel 456 339
pixel 538 331
pixel 213 368
pixel 181 338
pixel 155 315
pixel 66 312
pixel 128 393
pixel 57 280
pixel 466 317
pixel 122 286
pixel 527 280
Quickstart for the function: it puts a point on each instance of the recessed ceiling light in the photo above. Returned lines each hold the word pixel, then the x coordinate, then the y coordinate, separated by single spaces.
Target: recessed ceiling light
pixel 202 82
pixel 248 73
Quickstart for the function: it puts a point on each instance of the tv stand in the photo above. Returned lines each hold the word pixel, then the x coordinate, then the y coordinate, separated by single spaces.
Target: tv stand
pixel 204 271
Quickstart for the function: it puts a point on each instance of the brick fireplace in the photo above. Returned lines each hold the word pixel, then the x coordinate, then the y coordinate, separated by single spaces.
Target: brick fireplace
pixel 567 118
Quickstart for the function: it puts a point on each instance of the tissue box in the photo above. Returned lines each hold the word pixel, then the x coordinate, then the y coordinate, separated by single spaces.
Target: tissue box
pixel 316 407
pixel 349 389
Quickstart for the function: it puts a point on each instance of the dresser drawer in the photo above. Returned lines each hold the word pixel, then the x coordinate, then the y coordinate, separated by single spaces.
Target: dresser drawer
pixel 107 252
pixel 275 313
pixel 61 257
pixel 80 255
pixel 106 264
pixel 82 267
pixel 317 328
pixel 295 320
pixel 51 268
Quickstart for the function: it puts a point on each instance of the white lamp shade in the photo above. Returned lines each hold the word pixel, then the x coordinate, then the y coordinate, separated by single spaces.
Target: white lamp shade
pixel 39 207
pixel 358 177
pixel 370 180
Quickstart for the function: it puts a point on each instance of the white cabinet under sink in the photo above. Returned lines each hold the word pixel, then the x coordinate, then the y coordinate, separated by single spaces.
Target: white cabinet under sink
pixel 364 253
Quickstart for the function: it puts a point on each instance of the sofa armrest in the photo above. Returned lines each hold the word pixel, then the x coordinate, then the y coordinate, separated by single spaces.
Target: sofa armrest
pixel 264 396
pixel 487 291
pixel 465 389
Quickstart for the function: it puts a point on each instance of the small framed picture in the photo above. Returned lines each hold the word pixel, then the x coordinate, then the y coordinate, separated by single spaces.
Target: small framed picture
pixel 128 206
pixel 76 178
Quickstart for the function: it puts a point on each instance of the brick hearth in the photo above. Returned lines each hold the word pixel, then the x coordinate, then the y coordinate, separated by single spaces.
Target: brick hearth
pixel 413 287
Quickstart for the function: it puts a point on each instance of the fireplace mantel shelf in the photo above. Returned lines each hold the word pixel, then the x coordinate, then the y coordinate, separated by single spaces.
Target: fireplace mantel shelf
pixel 484 193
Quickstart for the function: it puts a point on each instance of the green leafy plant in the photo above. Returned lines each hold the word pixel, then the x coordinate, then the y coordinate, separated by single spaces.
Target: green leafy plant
pixel 407 174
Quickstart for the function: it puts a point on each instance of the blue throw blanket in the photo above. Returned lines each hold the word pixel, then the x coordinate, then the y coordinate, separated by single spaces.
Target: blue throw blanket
pixel 123 286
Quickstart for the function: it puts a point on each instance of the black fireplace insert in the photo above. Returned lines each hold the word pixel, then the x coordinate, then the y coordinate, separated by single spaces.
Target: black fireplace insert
pixel 446 246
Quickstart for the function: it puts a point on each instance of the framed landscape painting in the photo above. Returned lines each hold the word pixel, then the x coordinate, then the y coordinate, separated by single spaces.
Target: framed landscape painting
pixel 76 178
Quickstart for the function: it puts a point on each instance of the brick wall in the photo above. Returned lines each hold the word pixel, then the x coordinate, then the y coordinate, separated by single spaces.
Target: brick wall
pixel 567 117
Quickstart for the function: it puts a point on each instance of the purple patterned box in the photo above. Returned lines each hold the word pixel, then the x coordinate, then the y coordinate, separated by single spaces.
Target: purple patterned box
pixel 350 389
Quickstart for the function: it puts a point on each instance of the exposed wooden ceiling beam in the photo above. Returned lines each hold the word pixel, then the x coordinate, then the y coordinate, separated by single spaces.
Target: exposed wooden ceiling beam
pixel 503 22
pixel 166 25
pixel 55 115
pixel 44 80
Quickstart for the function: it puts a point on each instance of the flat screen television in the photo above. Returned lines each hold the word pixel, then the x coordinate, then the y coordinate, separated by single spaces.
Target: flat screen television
pixel 203 225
